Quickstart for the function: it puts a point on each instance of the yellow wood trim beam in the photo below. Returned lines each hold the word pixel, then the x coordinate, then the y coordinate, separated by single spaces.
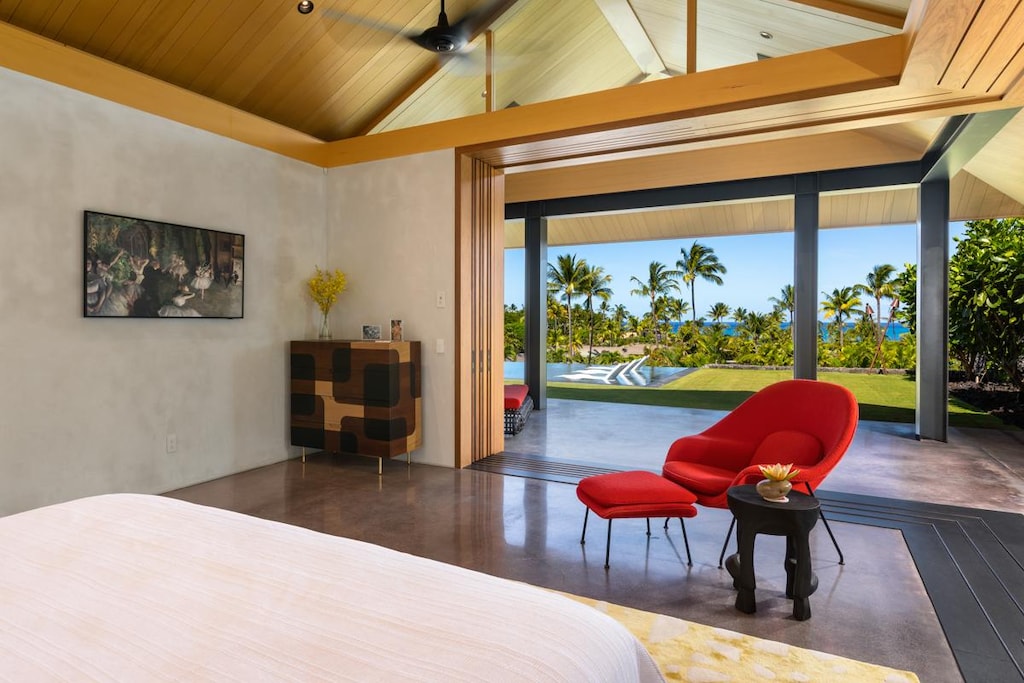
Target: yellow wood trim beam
pixel 40 57
pixel 856 67
pixel 875 16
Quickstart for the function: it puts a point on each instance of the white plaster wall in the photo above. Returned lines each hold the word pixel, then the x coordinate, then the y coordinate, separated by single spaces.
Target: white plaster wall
pixel 86 404
pixel 391 229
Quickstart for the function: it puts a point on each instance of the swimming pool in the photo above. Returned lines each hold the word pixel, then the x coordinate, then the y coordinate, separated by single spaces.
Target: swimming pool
pixel 648 374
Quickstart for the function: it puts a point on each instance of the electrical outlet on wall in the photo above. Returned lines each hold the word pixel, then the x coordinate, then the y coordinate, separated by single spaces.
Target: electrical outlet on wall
pixel 172 443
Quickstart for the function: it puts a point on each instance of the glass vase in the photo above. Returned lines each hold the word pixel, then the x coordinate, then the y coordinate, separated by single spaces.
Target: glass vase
pixel 325 328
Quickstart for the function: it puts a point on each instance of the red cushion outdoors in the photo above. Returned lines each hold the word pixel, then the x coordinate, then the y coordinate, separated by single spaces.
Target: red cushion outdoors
pixel 515 394
pixel 788 446
pixel 701 479
pixel 635 494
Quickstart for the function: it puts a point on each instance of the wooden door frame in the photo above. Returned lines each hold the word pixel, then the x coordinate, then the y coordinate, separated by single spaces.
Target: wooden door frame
pixel 479 312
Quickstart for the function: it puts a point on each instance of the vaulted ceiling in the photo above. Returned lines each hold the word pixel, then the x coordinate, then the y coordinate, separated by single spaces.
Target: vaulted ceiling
pixel 571 97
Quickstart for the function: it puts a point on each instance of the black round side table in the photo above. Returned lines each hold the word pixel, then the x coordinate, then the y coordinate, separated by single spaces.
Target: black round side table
pixel 794 520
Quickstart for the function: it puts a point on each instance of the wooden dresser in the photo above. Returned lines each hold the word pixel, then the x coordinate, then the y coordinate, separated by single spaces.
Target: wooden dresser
pixel 359 397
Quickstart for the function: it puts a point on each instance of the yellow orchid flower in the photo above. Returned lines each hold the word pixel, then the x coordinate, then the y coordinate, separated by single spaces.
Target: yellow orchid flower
pixel 325 287
pixel 778 471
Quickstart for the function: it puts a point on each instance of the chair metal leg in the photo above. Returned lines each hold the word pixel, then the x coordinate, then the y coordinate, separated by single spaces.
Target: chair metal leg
pixel 725 545
pixel 648 526
pixel 666 523
pixel 686 541
pixel 608 545
pixel 583 538
pixel 821 513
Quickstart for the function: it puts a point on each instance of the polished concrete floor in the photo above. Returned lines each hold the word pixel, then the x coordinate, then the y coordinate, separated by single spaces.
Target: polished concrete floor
pixel 874 607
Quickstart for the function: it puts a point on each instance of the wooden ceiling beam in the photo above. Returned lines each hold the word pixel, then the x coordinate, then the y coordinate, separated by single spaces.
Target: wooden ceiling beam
pixel 856 67
pixel 627 27
pixel 875 16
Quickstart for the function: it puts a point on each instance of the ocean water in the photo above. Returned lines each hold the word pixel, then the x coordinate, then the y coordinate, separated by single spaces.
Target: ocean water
pixel 894 332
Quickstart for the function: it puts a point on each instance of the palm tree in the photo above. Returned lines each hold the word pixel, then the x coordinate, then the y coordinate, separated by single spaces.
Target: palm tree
pixel 719 311
pixel 841 303
pixel 676 308
pixel 660 281
pixel 699 261
pixel 880 285
pixel 565 279
pixel 595 283
pixel 739 314
pixel 786 301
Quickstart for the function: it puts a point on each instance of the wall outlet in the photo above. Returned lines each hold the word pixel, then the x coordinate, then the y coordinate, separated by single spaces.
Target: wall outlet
pixel 439 346
pixel 442 299
pixel 172 443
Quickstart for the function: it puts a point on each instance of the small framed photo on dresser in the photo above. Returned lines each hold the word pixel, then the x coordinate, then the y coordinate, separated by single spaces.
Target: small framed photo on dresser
pixel 396 330
pixel 371 332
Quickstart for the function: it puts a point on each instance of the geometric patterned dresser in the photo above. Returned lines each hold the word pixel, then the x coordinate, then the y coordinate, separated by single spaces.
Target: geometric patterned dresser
pixel 357 397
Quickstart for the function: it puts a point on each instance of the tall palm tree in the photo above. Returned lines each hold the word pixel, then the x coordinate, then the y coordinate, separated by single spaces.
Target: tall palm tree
pixel 842 303
pixel 719 311
pixel 565 278
pixel 880 285
pixel 739 314
pixel 660 281
pixel 595 283
pixel 699 262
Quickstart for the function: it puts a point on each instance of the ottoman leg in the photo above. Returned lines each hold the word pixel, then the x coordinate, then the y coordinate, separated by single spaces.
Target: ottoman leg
pixel 608 545
pixel 686 541
pixel 583 538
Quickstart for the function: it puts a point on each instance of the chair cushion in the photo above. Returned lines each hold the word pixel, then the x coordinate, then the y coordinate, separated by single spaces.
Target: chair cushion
pixel 635 494
pixel 788 446
pixel 515 394
pixel 699 478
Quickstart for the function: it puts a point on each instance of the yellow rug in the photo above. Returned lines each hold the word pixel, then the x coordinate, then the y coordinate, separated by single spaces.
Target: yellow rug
pixel 686 651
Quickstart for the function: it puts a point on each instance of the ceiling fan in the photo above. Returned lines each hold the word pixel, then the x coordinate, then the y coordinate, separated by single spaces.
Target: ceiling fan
pixel 444 38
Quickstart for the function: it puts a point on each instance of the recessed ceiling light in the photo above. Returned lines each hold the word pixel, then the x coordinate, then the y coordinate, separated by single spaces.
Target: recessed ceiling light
pixel 305 7
pixel 764 34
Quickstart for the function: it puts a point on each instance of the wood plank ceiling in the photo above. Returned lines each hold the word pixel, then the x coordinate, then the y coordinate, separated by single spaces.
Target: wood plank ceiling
pixel 343 70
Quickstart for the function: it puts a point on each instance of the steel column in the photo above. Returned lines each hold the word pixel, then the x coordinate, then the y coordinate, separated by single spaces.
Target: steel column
pixel 805 281
pixel 933 310
pixel 535 370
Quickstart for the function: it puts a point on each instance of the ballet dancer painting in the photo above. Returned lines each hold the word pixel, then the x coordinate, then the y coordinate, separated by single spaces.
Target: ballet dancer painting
pixel 140 268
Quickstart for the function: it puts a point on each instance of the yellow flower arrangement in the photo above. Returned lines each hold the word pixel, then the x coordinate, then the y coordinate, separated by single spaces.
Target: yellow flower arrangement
pixel 778 471
pixel 325 287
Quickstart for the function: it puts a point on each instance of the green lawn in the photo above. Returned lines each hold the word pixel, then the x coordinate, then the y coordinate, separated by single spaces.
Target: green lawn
pixel 886 398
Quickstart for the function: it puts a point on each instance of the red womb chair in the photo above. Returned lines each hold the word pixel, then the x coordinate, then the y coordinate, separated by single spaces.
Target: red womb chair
pixel 804 422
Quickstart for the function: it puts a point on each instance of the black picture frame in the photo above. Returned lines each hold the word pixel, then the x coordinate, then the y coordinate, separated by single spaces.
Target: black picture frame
pixel 140 268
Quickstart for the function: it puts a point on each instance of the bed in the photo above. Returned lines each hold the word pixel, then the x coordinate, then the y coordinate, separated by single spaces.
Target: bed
pixel 127 587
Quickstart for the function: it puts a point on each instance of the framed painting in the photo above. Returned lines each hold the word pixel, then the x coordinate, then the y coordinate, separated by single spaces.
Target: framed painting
pixel 138 268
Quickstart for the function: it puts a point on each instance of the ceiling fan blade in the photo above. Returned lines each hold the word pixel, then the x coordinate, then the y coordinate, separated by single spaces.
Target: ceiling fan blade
pixel 338 15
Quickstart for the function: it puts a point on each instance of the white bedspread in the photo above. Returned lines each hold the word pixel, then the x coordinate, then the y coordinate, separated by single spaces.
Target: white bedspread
pixel 143 588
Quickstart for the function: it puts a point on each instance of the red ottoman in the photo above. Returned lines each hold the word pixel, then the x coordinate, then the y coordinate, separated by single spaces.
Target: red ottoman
pixel 622 495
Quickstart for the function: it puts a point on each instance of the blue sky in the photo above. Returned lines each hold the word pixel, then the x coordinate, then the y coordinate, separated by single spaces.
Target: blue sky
pixel 759 266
